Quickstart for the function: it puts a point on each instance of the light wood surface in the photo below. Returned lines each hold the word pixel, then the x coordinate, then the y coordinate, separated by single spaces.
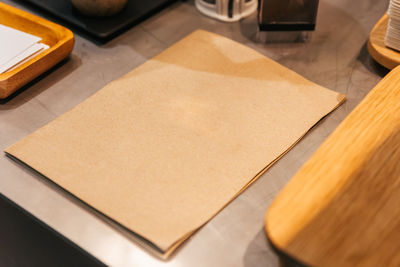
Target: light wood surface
pixel 59 39
pixel 343 207
pixel 384 55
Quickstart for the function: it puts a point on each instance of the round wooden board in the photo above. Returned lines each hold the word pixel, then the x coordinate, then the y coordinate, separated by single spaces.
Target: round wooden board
pixel 385 56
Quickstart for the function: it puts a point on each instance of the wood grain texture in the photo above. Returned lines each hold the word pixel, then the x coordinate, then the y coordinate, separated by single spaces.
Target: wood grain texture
pixel 384 55
pixel 343 207
pixel 59 39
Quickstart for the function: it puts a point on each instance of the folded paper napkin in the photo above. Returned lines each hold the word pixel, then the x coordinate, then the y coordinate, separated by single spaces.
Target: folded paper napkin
pixel 164 148
pixel 16 47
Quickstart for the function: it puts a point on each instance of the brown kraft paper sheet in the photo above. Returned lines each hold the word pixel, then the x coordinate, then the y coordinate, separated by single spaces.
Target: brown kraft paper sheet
pixel 164 148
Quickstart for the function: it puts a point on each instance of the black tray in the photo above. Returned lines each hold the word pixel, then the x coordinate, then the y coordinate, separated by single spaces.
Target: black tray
pixel 103 28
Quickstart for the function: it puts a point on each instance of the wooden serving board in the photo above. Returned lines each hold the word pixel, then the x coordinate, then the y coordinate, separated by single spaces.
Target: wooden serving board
pixel 59 39
pixel 343 207
pixel 384 55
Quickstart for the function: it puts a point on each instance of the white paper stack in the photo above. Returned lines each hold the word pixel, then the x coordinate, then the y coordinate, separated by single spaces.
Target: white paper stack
pixel 16 47
pixel 392 39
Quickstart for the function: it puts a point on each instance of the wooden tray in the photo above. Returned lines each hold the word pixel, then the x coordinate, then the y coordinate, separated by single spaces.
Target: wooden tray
pixel 343 207
pixel 385 56
pixel 59 39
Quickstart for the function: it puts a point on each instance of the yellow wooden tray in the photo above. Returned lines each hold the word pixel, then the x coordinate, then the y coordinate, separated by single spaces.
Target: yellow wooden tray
pixel 385 56
pixel 59 39
pixel 343 207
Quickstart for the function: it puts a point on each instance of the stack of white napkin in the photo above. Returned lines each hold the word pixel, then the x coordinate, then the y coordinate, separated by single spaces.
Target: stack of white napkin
pixel 17 47
pixel 392 39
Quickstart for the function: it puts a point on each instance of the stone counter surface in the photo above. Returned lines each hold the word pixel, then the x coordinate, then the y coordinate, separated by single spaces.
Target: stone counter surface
pixel 335 57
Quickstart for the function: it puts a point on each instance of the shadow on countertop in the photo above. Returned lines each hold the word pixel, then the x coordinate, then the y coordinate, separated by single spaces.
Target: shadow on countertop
pixel 40 83
pixel 26 241
pixel 369 63
pixel 261 252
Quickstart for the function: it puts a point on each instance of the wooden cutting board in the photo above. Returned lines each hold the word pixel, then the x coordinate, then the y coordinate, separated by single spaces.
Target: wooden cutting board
pixel 343 207
pixel 385 56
